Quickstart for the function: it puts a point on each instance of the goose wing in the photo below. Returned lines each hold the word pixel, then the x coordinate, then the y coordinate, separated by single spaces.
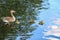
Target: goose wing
pixel 9 19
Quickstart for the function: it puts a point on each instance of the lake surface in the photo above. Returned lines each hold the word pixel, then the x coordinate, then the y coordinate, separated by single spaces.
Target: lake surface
pixel 51 18
pixel 49 14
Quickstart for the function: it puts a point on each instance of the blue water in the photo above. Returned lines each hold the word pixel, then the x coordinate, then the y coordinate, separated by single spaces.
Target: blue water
pixel 48 16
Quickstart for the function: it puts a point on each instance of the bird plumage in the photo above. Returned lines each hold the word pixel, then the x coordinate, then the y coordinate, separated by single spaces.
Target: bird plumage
pixel 9 19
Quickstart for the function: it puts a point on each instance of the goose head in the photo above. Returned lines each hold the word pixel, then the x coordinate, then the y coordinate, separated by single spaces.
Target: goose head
pixel 12 11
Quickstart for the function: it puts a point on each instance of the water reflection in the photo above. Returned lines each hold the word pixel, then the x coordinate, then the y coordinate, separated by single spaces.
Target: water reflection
pixel 25 12
pixel 46 10
pixel 50 17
